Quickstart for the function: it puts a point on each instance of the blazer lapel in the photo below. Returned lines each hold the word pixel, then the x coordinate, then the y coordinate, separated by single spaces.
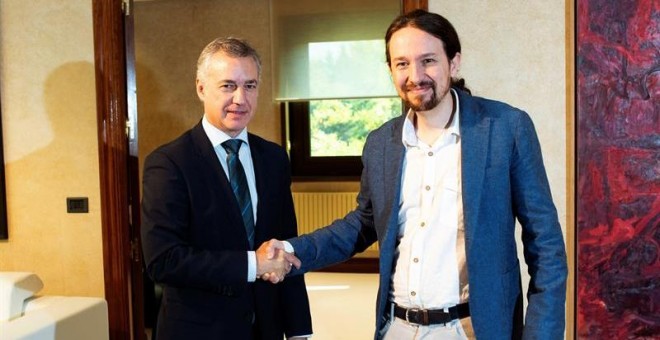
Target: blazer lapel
pixel 259 175
pixel 206 152
pixel 393 156
pixel 475 143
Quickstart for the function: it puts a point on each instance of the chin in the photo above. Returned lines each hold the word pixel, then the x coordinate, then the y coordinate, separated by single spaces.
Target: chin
pixel 237 128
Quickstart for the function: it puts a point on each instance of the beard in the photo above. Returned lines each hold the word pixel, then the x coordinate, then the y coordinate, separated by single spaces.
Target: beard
pixel 422 103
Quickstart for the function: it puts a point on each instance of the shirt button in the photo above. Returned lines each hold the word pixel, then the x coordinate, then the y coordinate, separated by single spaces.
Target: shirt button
pixel 430 153
pixel 423 224
pixel 413 293
pixel 428 187
pixel 415 260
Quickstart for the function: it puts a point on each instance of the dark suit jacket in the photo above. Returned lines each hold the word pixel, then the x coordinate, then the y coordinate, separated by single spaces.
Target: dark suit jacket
pixel 503 179
pixel 195 243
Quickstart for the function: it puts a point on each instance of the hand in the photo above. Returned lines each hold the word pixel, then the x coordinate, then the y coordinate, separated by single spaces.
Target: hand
pixel 273 263
pixel 272 248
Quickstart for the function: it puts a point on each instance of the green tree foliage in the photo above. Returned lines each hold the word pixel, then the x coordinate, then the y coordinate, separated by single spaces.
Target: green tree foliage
pixel 339 127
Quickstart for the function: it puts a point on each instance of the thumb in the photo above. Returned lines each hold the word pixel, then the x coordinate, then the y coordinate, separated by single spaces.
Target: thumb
pixel 273 246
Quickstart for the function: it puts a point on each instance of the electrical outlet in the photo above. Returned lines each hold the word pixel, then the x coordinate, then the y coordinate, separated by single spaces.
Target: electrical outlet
pixel 76 205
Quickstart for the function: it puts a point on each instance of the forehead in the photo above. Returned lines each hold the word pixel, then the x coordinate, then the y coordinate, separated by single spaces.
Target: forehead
pixel 225 67
pixel 410 41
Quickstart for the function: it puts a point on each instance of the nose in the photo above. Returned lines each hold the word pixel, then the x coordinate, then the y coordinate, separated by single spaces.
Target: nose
pixel 416 73
pixel 239 96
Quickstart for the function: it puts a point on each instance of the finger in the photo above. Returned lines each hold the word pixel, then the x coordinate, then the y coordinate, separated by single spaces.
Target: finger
pixel 270 251
pixel 293 260
pixel 273 246
pixel 265 277
pixel 287 268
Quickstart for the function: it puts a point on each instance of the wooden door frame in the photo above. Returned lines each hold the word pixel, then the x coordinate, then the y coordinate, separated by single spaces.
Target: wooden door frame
pixel 111 107
pixel 114 155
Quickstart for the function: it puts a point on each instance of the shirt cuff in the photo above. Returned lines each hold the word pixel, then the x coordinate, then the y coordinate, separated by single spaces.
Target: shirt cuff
pixel 288 247
pixel 252 266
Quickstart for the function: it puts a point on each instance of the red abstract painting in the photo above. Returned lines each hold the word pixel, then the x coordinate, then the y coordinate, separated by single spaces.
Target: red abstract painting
pixel 618 147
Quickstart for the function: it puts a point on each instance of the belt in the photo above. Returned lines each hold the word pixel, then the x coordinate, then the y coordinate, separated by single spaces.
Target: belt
pixel 427 317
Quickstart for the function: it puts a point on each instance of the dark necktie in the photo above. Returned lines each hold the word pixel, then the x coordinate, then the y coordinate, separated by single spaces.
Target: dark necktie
pixel 239 186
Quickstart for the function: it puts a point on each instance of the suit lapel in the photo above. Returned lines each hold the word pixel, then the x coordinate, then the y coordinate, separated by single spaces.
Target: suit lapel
pixel 207 153
pixel 259 175
pixel 475 143
pixel 393 154
pixel 209 158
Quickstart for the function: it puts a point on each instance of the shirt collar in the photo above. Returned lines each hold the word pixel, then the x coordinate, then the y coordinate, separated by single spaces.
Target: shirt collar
pixel 409 136
pixel 217 136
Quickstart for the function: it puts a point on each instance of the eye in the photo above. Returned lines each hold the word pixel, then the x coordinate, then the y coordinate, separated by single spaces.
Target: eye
pixel 251 86
pixel 428 61
pixel 401 65
pixel 227 87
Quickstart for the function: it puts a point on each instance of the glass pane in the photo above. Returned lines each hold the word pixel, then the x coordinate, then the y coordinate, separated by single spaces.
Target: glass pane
pixel 339 127
pixel 345 69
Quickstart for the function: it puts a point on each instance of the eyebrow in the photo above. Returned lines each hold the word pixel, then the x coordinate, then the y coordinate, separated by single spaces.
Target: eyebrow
pixel 229 81
pixel 425 55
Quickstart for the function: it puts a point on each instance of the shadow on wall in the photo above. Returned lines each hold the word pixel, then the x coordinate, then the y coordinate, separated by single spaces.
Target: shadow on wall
pixel 42 233
pixel 157 122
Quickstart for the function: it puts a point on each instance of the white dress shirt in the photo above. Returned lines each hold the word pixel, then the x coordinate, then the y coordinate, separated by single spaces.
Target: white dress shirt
pixel 426 274
pixel 217 137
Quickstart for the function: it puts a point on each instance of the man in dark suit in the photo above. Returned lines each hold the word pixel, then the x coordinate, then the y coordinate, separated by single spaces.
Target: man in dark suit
pixel 441 190
pixel 208 197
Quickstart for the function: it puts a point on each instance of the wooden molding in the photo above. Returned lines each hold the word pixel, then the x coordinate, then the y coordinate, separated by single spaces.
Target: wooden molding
pixel 571 229
pixel 4 227
pixel 410 5
pixel 109 56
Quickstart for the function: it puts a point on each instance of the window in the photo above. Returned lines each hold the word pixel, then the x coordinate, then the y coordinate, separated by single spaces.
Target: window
pixel 332 81
pixel 326 136
pixel 339 127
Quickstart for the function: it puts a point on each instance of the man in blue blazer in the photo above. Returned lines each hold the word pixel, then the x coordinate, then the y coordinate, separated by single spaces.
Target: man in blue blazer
pixel 441 190
pixel 198 227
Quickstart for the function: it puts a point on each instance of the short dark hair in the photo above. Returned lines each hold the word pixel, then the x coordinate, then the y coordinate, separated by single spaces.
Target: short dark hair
pixel 233 47
pixel 433 24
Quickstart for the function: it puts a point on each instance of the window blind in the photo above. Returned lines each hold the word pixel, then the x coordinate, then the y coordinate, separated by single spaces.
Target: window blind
pixel 332 49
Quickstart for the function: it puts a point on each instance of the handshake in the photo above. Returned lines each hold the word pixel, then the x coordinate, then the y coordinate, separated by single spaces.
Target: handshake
pixel 273 262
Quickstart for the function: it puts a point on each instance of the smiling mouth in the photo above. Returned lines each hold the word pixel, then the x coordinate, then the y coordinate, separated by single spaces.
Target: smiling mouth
pixel 419 92
pixel 237 113
pixel 419 89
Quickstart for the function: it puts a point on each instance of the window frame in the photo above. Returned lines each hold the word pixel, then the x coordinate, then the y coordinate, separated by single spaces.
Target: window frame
pixel 304 167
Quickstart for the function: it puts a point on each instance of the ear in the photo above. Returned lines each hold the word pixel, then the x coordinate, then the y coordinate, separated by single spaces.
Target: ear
pixel 199 85
pixel 455 64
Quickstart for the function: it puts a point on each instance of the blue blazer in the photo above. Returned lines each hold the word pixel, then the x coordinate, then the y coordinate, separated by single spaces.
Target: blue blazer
pixel 503 179
pixel 195 244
